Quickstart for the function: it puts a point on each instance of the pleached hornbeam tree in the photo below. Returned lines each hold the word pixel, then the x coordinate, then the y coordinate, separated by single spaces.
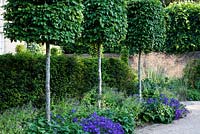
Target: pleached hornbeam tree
pixel 43 21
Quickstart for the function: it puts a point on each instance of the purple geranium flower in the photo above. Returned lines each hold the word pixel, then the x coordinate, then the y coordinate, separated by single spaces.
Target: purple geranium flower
pixel 95 124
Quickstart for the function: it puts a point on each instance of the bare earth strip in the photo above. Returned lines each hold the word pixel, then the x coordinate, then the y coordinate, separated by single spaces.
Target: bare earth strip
pixel 187 125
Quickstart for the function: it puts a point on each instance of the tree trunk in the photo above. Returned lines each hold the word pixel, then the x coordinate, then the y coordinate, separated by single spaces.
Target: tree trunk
pixel 163 2
pixel 48 82
pixel 139 76
pixel 100 78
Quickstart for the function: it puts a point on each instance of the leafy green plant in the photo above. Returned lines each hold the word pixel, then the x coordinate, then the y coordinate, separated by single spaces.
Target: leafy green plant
pixel 13 120
pixel 133 106
pixel 193 95
pixel 124 55
pixel 118 107
pixel 120 115
pixel 163 109
pixel 158 112
pixel 148 93
pixel 55 51
pixel 59 124
pixel 112 98
pixel 69 114
pixel 179 87
pixel 156 83
pixel 20 48
pixel 35 48
pixel 89 98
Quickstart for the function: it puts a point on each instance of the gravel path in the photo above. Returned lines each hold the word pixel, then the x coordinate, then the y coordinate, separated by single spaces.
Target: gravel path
pixel 187 125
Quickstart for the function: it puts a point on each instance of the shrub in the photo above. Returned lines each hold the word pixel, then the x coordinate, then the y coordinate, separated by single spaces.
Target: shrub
pixel 193 95
pixel 72 117
pixel 23 77
pixel 35 48
pixel 163 110
pixel 134 107
pixel 192 74
pixel 158 112
pixel 124 55
pixel 20 48
pixel 111 98
pixel 12 121
pixel 116 106
pixel 59 125
pixel 119 75
pixel 55 51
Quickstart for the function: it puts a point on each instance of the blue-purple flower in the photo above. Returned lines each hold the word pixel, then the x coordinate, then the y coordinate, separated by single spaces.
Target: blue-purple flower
pixel 75 119
pixel 179 109
pixel 95 124
pixel 73 110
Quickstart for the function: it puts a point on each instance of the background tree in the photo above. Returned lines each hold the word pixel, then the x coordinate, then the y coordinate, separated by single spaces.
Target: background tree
pixel 43 21
pixel 183 27
pixel 105 24
pixel 167 2
pixel 146 29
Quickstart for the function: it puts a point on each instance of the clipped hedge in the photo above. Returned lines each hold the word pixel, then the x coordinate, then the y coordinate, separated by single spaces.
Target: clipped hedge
pixel 183 27
pixel 23 77
pixel 192 74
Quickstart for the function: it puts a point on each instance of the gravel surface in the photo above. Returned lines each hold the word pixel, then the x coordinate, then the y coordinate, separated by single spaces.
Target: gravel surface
pixel 187 125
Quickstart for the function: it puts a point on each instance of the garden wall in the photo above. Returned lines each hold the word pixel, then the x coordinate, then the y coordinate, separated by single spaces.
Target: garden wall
pixel 171 65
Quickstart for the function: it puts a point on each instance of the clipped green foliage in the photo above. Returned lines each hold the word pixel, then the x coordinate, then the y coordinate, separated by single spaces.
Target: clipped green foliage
pixel 55 51
pixel 192 74
pixel 35 48
pixel 105 21
pixel 167 2
pixel 146 29
pixel 118 74
pixel 43 21
pixel 20 48
pixel 76 48
pixel 183 27
pixel 82 48
pixel 124 55
pixel 23 77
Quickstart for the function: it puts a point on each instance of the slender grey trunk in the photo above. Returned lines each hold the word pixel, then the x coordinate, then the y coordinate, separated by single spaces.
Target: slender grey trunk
pixel 139 76
pixel 163 1
pixel 100 77
pixel 48 82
